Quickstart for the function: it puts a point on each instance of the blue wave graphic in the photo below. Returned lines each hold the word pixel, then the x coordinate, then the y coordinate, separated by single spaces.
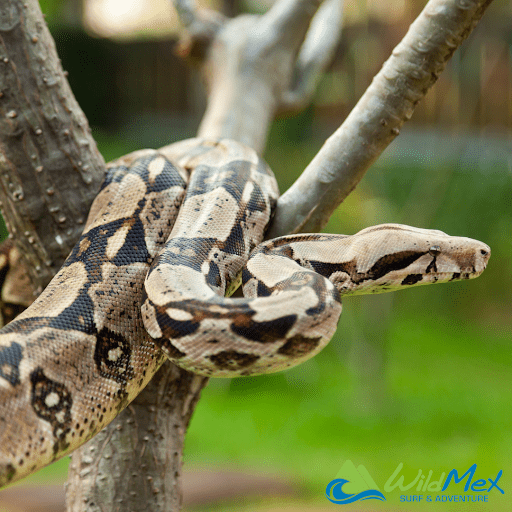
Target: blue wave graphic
pixel 335 494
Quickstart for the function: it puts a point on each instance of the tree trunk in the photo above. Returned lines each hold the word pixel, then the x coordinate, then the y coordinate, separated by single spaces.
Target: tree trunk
pixel 51 168
pixel 135 462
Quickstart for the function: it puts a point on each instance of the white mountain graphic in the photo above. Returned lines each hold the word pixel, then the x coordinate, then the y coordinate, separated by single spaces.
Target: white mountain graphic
pixel 358 478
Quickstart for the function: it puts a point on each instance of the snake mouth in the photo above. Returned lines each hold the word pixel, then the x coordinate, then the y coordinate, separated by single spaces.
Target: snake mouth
pixel 394 283
pixel 439 277
pixel 463 275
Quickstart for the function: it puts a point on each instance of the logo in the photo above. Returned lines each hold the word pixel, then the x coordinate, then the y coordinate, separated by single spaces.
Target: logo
pixel 352 484
pixel 467 485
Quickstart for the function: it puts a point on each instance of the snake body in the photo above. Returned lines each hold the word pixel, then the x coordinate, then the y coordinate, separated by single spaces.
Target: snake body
pixel 149 276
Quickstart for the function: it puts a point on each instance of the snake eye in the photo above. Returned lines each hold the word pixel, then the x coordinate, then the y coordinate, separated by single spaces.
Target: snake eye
pixel 435 250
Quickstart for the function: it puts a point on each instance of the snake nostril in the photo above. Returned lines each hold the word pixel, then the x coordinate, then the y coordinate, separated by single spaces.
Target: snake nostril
pixel 435 250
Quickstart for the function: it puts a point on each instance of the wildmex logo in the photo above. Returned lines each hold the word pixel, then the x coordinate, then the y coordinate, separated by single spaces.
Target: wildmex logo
pixel 354 484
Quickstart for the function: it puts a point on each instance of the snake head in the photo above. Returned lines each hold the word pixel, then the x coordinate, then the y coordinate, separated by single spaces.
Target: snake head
pixel 391 257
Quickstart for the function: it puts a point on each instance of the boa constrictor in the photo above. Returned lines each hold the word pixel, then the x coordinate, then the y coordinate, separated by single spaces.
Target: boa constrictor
pixel 95 337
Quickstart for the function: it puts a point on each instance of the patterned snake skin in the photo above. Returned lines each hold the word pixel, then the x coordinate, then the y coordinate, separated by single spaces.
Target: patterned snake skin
pixel 143 281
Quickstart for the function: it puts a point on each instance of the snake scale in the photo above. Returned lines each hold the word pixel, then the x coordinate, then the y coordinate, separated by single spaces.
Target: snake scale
pixel 163 245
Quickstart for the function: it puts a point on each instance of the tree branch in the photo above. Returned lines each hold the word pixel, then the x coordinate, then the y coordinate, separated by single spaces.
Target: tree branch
pixel 187 12
pixel 315 55
pixel 202 27
pixel 287 23
pixel 375 121
pixel 251 69
pixel 51 169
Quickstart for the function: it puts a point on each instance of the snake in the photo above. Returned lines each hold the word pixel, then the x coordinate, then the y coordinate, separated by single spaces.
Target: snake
pixel 166 243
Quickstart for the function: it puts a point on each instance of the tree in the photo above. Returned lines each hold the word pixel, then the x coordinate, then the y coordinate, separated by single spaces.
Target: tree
pixel 253 67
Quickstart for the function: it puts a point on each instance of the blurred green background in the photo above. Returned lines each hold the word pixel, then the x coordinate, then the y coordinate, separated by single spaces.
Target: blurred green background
pixel 421 377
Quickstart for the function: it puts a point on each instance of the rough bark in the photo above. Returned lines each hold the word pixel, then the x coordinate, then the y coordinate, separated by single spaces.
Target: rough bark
pixel 51 169
pixel 135 462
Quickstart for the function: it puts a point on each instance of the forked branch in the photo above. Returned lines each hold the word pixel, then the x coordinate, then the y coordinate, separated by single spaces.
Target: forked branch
pixel 256 65
pixel 376 120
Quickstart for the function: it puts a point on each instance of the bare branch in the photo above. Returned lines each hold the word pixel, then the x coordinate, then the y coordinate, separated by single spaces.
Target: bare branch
pixel 187 11
pixel 288 21
pixel 50 167
pixel 253 65
pixel 202 26
pixel 315 54
pixel 377 118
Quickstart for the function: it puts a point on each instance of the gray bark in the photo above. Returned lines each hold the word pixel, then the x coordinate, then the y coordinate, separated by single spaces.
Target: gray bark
pixel 256 66
pixel 51 169
pixel 135 462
